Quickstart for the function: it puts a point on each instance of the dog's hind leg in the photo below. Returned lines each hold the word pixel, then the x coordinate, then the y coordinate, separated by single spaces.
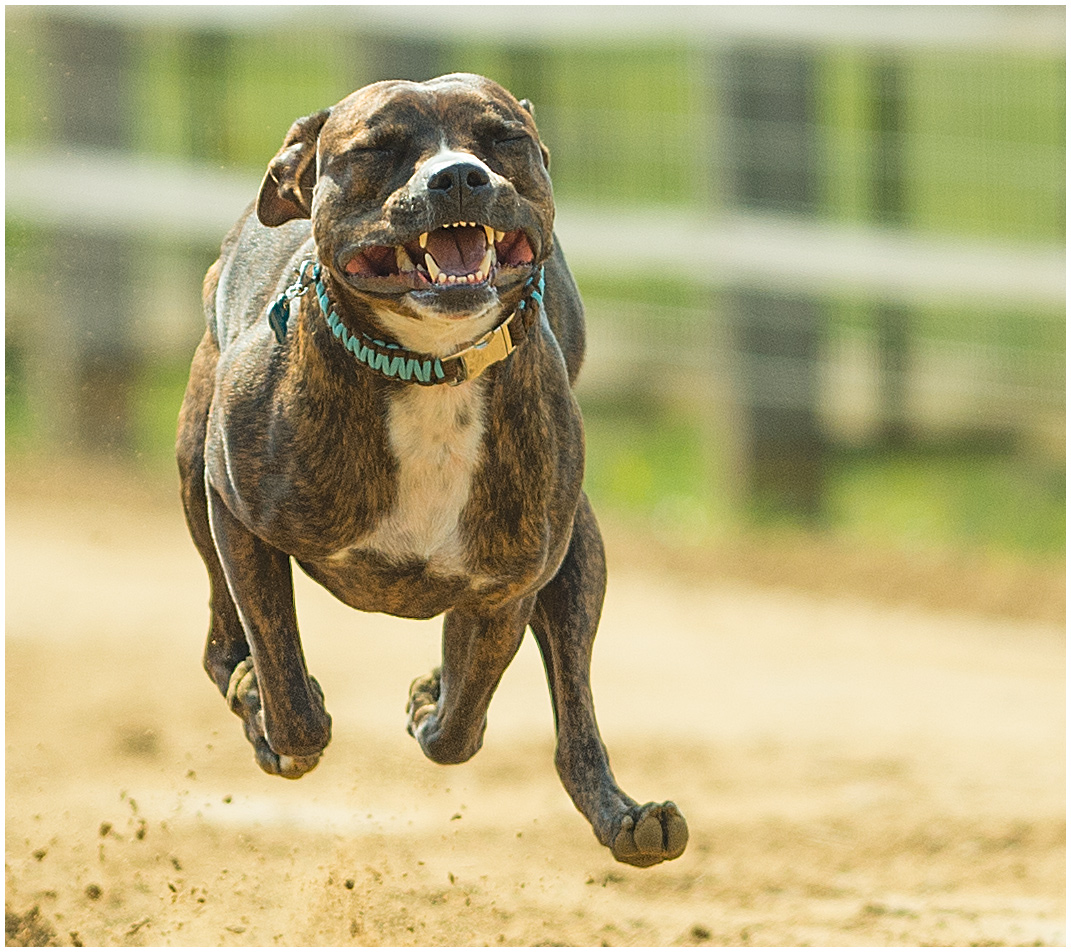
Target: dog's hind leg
pixel 226 646
pixel 564 622
pixel 448 709
pixel 281 706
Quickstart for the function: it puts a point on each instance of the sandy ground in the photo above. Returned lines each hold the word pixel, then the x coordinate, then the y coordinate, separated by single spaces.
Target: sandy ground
pixel 853 773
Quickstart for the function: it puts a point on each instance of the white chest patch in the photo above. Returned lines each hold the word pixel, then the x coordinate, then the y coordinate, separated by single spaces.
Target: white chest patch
pixel 436 434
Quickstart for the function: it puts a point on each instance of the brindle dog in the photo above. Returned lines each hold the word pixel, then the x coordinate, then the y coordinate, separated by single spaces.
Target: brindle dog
pixel 358 431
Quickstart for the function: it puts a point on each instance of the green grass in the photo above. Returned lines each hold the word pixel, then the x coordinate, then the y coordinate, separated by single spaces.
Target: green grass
pixel 952 496
pixel 653 467
pixel 659 469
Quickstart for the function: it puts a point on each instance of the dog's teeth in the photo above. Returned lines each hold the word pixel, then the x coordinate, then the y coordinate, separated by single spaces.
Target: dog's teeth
pixel 405 263
pixel 499 235
pixel 433 268
pixel 424 240
pixel 485 265
pixel 441 279
pixel 490 232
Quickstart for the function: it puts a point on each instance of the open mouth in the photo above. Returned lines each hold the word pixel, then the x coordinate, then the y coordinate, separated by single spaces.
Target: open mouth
pixel 458 254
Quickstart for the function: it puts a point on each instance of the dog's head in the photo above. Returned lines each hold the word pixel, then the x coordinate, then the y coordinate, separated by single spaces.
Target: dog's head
pixel 429 201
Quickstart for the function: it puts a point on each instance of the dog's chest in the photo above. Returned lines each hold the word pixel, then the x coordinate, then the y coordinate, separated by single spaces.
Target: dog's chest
pixel 436 435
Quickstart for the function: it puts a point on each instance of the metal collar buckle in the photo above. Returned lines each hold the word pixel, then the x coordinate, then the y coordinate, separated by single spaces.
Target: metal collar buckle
pixel 495 345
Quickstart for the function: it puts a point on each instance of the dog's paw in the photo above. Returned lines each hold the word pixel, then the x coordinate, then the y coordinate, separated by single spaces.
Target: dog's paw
pixel 243 697
pixel 650 834
pixel 423 700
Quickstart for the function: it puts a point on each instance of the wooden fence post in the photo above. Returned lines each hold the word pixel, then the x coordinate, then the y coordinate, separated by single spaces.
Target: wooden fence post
pixel 887 185
pixel 768 147
pixel 88 379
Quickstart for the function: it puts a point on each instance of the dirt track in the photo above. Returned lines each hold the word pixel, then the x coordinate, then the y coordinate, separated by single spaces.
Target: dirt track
pixel 852 774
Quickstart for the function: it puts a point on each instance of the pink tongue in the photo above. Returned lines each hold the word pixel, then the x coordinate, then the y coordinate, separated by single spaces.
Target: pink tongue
pixel 457 250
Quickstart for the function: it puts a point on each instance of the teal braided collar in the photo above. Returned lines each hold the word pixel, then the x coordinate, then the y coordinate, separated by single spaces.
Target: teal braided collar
pixel 395 362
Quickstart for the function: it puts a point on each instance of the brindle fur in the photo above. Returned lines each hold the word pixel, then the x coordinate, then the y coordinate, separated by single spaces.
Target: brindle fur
pixel 284 453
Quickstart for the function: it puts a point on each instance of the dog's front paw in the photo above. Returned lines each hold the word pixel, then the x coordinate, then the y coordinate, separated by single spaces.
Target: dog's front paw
pixel 423 700
pixel 243 697
pixel 650 834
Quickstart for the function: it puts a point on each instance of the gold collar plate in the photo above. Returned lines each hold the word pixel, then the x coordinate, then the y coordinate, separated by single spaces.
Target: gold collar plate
pixel 495 345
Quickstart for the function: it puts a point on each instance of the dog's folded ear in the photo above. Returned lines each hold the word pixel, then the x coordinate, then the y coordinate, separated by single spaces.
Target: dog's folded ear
pixel 526 105
pixel 286 191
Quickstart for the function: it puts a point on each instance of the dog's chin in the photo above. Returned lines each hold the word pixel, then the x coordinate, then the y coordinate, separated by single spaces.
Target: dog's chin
pixel 440 322
pixel 453 303
pixel 459 303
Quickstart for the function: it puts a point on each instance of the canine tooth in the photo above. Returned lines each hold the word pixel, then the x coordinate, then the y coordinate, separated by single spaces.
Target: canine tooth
pixel 485 265
pixel 490 232
pixel 433 268
pixel 405 263
pixel 499 235
pixel 424 240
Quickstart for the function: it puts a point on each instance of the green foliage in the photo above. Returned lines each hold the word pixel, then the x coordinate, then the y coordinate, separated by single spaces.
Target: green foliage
pixel 23 78
pixel 967 496
pixel 658 468
pixel 986 150
pixel 652 466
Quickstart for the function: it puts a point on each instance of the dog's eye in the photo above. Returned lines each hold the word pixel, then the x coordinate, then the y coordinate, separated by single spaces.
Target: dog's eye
pixel 508 134
pixel 381 145
pixel 374 150
pixel 511 139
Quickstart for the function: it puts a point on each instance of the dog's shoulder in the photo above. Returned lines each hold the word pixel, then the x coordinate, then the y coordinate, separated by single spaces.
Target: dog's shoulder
pixel 255 263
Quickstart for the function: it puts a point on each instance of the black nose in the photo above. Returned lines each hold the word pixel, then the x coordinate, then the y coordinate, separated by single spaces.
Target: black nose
pixel 459 177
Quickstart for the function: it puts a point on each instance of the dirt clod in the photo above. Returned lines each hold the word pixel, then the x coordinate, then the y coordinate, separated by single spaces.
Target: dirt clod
pixel 28 929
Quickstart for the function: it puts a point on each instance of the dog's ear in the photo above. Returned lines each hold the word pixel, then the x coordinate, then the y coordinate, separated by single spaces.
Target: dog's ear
pixel 286 191
pixel 526 105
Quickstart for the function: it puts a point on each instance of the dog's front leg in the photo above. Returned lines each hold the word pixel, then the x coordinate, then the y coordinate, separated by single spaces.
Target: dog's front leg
pixel 448 708
pixel 564 622
pixel 281 706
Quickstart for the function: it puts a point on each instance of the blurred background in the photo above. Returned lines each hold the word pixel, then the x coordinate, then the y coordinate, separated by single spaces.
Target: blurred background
pixel 821 248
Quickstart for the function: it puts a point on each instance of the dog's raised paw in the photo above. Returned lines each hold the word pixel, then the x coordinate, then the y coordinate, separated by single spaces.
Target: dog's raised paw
pixel 650 834
pixel 423 700
pixel 243 697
